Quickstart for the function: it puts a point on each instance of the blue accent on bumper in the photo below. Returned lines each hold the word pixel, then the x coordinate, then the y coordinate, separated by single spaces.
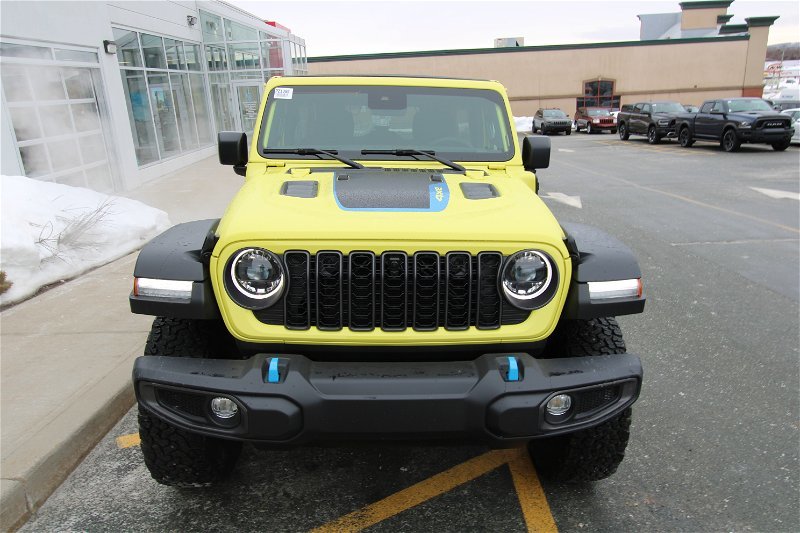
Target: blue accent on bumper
pixel 513 369
pixel 273 376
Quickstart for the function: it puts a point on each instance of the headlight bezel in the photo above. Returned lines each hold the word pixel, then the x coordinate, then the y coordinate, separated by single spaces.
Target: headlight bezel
pixel 239 294
pixel 541 296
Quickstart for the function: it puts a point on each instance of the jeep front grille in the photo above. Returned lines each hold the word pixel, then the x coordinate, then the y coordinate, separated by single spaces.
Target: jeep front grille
pixel 392 291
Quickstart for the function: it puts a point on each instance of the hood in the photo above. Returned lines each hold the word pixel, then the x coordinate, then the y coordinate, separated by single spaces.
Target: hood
pixel 409 205
pixel 753 115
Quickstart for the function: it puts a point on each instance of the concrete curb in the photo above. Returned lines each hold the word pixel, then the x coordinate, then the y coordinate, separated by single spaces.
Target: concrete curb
pixel 25 490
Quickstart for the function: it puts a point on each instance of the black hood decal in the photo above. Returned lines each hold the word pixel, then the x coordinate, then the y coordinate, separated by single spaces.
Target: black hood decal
pixel 390 190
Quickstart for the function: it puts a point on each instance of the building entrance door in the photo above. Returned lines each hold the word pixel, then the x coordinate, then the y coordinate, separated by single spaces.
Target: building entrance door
pixel 248 97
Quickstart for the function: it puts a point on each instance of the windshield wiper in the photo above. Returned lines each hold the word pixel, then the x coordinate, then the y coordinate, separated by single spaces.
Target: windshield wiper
pixel 314 151
pixel 411 151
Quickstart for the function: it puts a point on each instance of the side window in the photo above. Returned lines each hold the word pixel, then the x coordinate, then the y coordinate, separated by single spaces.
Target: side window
pixel 646 108
pixel 718 106
pixel 539 113
pixel 707 107
pixel 638 108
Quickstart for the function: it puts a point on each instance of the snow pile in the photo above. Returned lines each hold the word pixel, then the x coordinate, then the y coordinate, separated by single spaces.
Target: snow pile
pixel 51 232
pixel 523 124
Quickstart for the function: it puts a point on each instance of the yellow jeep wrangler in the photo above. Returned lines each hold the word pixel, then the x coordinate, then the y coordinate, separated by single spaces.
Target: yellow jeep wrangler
pixel 387 271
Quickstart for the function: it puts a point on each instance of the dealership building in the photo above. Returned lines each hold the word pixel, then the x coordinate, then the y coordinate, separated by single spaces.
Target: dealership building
pixel 688 56
pixel 109 95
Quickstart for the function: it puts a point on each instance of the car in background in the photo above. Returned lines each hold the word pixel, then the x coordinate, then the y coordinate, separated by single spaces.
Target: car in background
pixel 551 121
pixel 594 119
pixel 795 114
pixel 691 108
pixel 784 105
pixel 655 120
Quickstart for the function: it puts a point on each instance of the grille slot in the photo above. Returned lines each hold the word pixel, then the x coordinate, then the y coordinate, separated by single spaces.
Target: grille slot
pixel 392 291
pixel 394 300
pixel 185 402
pixel 593 399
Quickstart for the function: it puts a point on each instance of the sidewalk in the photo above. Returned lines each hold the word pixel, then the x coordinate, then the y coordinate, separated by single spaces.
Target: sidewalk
pixel 67 354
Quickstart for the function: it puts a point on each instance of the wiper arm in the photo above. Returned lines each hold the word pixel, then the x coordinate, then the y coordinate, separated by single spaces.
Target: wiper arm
pixel 411 151
pixel 314 151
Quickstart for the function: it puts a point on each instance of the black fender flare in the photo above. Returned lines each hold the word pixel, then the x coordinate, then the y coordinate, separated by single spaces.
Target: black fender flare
pixel 597 256
pixel 180 253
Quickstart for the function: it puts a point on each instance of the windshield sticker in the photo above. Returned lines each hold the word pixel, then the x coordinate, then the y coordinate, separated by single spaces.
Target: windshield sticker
pixel 284 93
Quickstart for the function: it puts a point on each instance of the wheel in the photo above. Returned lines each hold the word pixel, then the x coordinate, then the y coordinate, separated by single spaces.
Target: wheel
pixel 577 126
pixel 533 128
pixel 589 128
pixel 685 137
pixel 780 146
pixel 174 456
pixel 569 131
pixel 730 142
pixel 623 132
pixel 652 136
pixel 594 453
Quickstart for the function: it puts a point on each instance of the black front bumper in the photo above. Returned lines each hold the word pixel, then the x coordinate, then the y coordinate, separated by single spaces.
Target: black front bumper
pixel 765 135
pixel 311 400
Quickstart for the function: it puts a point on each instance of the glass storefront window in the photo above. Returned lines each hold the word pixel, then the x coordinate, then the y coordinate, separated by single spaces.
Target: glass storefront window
pixel 217 58
pixel 128 53
pixel 193 59
pixel 212 28
pixel 244 56
pixel 202 117
pixel 78 83
pixel 24 50
pixel 144 137
pixel 238 32
pixel 75 55
pixel 175 58
pixel 184 112
pixel 153 49
pixel 163 114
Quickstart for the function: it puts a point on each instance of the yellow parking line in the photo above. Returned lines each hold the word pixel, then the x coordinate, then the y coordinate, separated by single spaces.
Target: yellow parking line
pixel 530 493
pixel 128 441
pixel 416 494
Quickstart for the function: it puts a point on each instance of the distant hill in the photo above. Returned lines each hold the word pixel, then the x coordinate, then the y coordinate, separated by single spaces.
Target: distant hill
pixel 780 51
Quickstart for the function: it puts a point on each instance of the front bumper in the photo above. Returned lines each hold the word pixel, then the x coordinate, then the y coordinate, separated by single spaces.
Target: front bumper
pixel 766 135
pixel 555 128
pixel 310 400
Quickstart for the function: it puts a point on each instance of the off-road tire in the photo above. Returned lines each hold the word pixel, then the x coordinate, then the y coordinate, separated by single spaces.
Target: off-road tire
pixel 730 141
pixel 652 135
pixel 174 456
pixel 577 127
pixel 685 137
pixel 780 146
pixel 569 131
pixel 589 129
pixel 590 454
pixel 624 134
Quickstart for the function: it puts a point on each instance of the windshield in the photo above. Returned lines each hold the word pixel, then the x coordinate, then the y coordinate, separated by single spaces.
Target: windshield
pixel 755 104
pixel 598 112
pixel 667 107
pixel 554 113
pixel 466 124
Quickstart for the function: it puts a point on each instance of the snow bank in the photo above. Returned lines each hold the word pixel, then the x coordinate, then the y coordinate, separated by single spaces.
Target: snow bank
pixel 51 232
pixel 523 124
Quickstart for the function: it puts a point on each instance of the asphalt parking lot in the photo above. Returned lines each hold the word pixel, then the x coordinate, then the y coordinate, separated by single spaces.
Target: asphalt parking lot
pixel 715 432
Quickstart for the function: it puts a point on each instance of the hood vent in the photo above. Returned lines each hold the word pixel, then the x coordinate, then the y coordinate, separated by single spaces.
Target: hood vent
pixel 479 191
pixel 300 189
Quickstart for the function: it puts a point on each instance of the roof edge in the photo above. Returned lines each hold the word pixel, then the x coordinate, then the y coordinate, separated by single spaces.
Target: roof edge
pixel 706 4
pixel 516 49
pixel 761 21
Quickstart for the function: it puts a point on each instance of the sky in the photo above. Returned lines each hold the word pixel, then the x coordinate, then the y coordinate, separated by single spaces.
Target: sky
pixel 363 27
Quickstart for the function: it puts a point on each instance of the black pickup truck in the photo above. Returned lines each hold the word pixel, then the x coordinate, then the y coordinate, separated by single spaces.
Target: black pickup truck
pixel 733 121
pixel 656 120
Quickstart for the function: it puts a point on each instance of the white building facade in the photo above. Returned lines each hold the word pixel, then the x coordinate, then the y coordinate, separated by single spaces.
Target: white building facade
pixel 109 95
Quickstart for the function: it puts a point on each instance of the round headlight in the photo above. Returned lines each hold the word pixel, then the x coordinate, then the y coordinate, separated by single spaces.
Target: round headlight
pixel 256 277
pixel 527 279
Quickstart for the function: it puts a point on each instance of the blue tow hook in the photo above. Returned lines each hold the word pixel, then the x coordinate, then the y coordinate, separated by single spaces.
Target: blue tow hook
pixel 273 375
pixel 513 369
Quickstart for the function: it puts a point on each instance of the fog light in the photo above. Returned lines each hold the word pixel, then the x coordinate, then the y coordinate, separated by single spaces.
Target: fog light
pixel 559 404
pixel 224 407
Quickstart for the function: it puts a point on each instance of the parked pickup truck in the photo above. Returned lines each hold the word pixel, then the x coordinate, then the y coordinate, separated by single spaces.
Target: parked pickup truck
pixel 733 121
pixel 656 120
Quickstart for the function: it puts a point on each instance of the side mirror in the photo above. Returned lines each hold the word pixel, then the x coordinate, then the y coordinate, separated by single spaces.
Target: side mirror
pixel 535 152
pixel 232 147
